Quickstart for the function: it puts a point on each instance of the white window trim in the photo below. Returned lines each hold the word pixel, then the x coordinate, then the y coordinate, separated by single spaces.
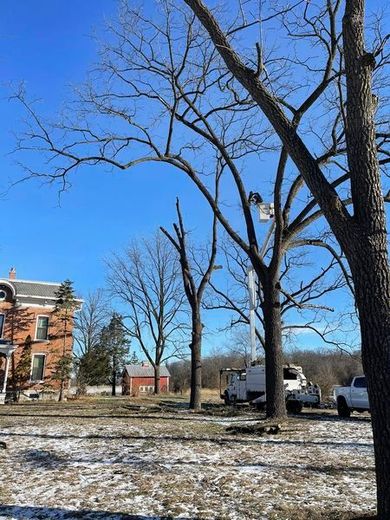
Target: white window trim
pixel 44 354
pixel 36 327
pixel 2 328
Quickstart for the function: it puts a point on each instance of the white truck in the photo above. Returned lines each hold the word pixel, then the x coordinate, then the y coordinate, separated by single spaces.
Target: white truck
pixel 248 385
pixel 354 397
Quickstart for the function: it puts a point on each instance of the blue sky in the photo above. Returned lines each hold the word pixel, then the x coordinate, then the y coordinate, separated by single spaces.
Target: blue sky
pixel 47 44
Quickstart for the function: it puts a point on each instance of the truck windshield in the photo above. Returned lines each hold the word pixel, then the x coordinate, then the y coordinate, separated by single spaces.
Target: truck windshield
pixel 290 374
pixel 360 382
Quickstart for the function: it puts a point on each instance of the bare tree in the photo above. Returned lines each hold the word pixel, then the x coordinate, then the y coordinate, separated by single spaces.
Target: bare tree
pixel 303 288
pixel 89 322
pixel 169 86
pixel 91 361
pixel 361 233
pixel 146 279
pixel 181 97
pixel 180 372
pixel 237 346
pixel 194 290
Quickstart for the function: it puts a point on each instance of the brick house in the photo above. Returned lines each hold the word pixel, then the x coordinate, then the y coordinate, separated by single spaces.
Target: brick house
pixel 34 336
pixel 139 379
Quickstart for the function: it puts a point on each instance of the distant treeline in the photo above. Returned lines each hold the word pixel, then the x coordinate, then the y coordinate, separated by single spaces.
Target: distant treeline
pixel 324 367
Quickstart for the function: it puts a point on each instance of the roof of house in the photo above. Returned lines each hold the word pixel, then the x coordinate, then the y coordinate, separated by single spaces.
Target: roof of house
pixel 145 371
pixel 37 289
pixel 32 292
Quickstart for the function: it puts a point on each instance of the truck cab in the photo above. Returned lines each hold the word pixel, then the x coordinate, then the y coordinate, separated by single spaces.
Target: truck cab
pixel 353 397
pixel 242 385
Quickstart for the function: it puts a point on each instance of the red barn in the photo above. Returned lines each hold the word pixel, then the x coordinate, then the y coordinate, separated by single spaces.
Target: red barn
pixel 139 379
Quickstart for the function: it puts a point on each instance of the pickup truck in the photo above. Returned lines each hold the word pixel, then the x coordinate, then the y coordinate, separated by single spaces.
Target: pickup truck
pixel 354 397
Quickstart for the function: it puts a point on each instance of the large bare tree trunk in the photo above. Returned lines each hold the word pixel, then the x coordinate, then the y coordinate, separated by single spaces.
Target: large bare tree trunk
pixel 194 296
pixel 373 302
pixel 157 378
pixel 276 401
pixel 368 257
pixel 113 382
pixel 196 363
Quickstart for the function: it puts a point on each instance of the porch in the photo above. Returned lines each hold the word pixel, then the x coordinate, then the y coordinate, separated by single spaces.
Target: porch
pixel 6 351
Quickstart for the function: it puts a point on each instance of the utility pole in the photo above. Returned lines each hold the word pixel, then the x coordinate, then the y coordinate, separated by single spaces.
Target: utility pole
pixel 266 213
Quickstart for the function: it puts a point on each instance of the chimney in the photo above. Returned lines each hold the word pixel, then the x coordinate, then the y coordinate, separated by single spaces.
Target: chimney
pixel 12 273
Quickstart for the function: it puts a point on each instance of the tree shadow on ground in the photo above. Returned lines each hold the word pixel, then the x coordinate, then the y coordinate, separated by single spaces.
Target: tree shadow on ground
pixel 44 513
pixel 179 405
pixel 43 458
pixel 323 416
pixel 48 460
pixel 189 417
pixel 168 412
pixel 206 406
pixel 56 513
pixel 95 416
pixel 251 439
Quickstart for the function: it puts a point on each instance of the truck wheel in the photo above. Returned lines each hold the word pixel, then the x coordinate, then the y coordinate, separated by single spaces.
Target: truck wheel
pixel 294 406
pixel 342 408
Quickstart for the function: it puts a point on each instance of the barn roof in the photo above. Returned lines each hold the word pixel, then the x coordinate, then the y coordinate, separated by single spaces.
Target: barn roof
pixel 145 371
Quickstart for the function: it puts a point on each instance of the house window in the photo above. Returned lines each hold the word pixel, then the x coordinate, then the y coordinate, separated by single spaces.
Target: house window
pixel 146 389
pixel 38 367
pixel 2 317
pixel 42 327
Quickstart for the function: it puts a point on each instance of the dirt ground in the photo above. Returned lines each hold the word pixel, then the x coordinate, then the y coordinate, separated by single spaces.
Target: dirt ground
pixel 152 459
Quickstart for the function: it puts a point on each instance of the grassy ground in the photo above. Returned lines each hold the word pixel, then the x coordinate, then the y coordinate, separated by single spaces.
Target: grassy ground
pixel 152 459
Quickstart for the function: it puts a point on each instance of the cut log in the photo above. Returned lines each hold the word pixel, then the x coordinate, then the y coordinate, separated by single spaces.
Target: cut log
pixel 257 428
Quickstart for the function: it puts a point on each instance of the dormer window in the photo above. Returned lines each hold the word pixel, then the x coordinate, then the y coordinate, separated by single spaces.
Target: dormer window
pixel 42 328
pixel 5 293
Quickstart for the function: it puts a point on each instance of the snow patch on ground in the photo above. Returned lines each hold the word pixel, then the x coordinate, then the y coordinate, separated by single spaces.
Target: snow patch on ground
pixel 64 462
